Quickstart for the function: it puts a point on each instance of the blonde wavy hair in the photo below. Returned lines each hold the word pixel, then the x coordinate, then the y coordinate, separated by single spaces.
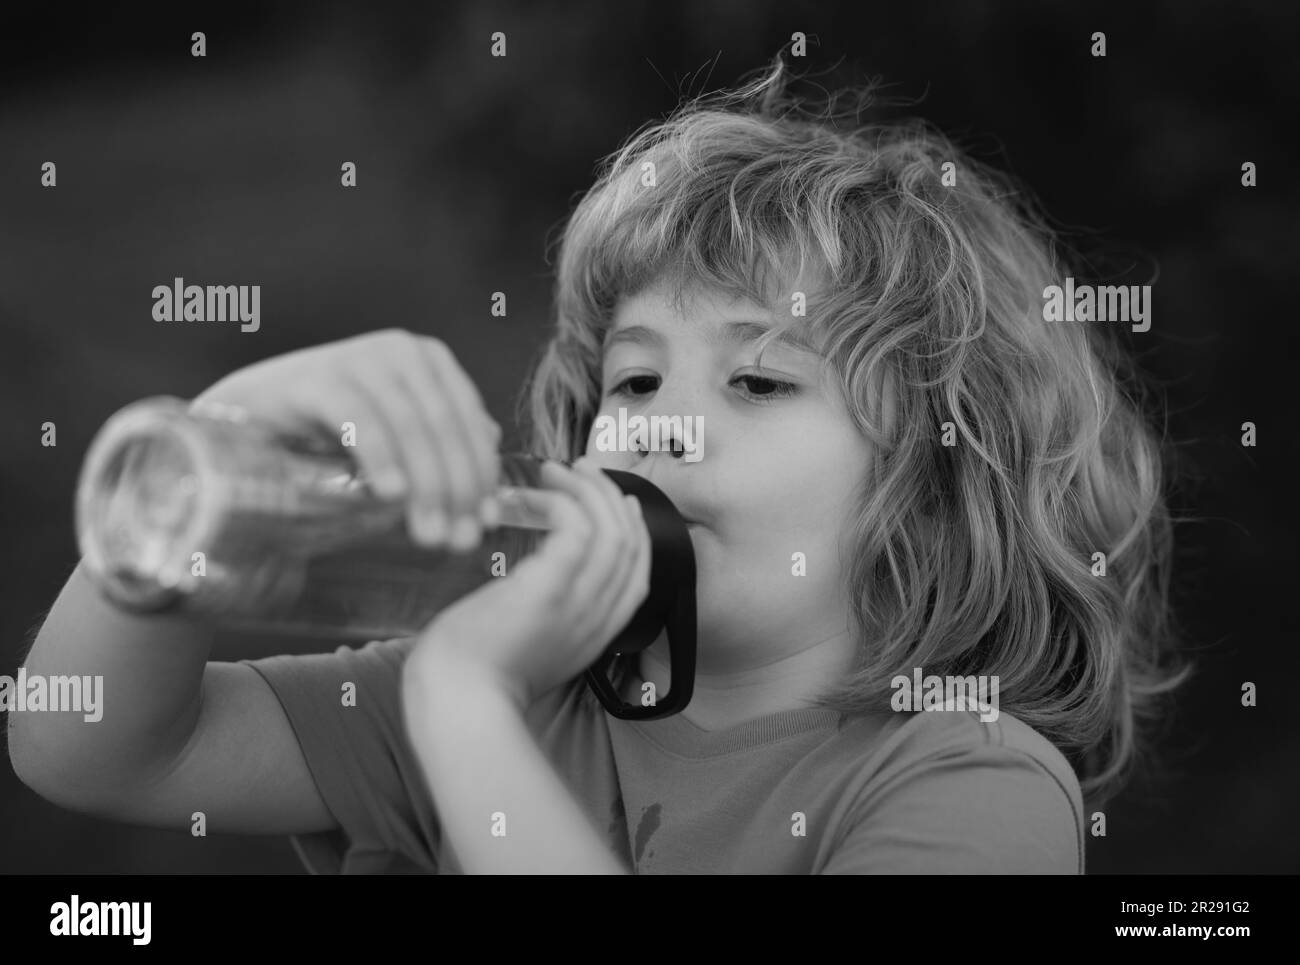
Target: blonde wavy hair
pixel 975 558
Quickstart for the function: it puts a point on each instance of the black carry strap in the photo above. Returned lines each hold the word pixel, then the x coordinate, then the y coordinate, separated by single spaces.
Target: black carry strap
pixel 670 606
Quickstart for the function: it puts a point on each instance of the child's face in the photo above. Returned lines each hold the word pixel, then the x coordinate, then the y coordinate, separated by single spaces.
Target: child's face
pixel 776 474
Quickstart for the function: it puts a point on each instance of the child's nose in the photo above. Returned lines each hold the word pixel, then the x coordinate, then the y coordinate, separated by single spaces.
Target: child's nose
pixel 677 408
pixel 674 445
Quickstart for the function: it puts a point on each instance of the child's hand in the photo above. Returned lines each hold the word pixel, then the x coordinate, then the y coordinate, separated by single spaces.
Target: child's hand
pixel 421 431
pixel 555 611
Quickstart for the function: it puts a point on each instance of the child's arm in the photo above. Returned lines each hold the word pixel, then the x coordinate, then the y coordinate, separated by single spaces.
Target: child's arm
pixel 500 801
pixel 175 733
pixel 486 658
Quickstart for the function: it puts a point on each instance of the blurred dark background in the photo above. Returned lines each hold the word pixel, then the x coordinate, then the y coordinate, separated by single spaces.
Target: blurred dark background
pixel 225 170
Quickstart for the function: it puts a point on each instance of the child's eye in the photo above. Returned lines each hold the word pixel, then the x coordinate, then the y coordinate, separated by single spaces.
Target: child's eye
pixel 764 389
pixel 625 387
pixel 759 389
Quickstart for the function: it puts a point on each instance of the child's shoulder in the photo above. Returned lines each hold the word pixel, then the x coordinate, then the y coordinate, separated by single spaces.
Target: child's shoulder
pixel 1000 762
pixel 945 790
pixel 963 736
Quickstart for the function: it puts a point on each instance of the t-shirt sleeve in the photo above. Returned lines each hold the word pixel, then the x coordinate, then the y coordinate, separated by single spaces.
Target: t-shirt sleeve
pixel 966 807
pixel 345 710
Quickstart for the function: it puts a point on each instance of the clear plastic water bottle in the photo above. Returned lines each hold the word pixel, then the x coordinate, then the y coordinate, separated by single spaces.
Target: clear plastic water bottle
pixel 218 515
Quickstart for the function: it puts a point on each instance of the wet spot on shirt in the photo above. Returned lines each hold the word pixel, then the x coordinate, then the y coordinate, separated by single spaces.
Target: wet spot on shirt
pixel 647 826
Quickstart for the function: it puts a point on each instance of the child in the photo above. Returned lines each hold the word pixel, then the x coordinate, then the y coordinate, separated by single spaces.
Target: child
pixel 905 475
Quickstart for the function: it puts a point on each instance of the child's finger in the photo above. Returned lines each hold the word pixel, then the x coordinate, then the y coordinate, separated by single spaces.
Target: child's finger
pixel 611 544
pixel 585 559
pixel 630 585
pixel 615 557
pixel 581 563
pixel 396 417
pixel 605 486
pixel 610 496
pixel 378 452
pixel 423 390
pixel 478 429
pixel 564 548
pixel 429 457
pixel 463 488
pixel 635 586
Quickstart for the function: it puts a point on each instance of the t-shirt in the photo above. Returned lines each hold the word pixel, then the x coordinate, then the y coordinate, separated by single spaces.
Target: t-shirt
pixel 804 791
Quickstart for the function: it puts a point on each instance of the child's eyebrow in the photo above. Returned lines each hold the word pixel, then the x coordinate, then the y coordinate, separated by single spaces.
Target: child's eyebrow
pixel 751 331
pixel 731 333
